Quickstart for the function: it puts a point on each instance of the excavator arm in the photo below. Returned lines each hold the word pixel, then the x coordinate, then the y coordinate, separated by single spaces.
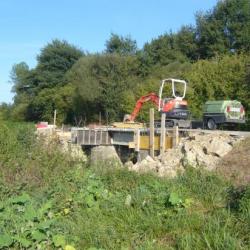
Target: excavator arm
pixel 146 98
pixel 175 108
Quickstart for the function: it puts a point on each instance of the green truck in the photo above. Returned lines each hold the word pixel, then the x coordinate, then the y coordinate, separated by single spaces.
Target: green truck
pixel 223 112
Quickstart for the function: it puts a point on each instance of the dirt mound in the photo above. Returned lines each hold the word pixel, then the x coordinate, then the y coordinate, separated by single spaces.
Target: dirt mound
pixel 236 165
pixel 197 150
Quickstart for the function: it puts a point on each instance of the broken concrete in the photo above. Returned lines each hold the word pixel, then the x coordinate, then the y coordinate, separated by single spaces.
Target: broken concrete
pixel 197 150
pixel 61 139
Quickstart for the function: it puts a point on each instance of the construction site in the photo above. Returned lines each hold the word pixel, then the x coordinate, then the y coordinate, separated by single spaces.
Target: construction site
pixel 125 125
pixel 164 146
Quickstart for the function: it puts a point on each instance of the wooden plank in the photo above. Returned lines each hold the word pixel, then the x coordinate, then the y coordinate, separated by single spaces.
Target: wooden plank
pixel 151 133
pixel 144 142
pixel 163 133
pixel 175 136
pixel 169 143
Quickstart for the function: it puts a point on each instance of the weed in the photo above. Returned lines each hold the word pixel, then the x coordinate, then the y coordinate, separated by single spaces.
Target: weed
pixel 48 201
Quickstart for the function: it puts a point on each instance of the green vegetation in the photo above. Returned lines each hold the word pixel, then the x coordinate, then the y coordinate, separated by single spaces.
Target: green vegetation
pixel 48 201
pixel 213 56
pixel 218 79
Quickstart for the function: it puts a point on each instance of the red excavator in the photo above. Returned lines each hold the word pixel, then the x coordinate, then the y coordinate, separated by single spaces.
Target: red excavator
pixel 176 108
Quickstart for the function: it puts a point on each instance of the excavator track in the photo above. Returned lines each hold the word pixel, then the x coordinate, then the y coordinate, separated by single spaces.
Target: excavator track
pixel 174 122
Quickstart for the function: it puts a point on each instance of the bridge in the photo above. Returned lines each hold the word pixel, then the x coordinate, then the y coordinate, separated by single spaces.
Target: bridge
pixel 142 141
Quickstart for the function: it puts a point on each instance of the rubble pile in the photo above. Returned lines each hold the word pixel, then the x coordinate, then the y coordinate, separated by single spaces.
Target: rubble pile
pixel 50 135
pixel 74 150
pixel 197 150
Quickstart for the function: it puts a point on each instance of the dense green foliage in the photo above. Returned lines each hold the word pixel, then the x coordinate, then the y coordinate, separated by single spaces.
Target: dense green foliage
pixel 42 89
pixel 213 56
pixel 225 29
pixel 217 79
pixel 121 45
pixel 48 201
pixel 101 81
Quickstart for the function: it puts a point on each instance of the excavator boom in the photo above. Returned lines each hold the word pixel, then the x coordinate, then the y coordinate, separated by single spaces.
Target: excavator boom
pixel 153 97
pixel 174 108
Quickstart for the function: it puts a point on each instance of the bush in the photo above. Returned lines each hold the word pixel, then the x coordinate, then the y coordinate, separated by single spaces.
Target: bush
pixel 47 201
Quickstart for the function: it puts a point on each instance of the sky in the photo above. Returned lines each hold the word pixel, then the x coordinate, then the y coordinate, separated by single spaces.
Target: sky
pixel 27 26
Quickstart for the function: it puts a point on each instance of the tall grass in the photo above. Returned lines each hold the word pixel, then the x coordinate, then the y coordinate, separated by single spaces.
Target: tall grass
pixel 112 208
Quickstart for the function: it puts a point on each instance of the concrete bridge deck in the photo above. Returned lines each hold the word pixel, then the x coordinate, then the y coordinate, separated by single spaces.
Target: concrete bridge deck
pixel 137 138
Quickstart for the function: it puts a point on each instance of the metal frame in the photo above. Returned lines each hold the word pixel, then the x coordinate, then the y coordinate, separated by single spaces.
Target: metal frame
pixel 173 82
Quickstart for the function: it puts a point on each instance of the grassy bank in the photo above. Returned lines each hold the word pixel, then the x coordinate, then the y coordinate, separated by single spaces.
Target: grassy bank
pixel 48 201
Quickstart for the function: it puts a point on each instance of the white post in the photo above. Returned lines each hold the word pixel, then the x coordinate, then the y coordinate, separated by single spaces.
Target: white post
pixel 163 133
pixel 137 140
pixel 54 118
pixel 151 133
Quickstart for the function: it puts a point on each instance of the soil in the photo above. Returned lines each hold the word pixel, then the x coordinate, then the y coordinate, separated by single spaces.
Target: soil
pixel 235 166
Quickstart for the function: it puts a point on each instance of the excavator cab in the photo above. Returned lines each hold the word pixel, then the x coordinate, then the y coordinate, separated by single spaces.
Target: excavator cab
pixel 176 107
pixel 176 95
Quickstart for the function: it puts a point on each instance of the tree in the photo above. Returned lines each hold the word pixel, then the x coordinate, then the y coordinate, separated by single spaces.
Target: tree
pixel 110 82
pixel 5 111
pixel 163 50
pixel 48 99
pixel 218 79
pixel 235 18
pixel 210 39
pixel 121 45
pixel 186 42
pixel 224 29
pixel 55 59
pixel 40 90
pixel 19 74
pixel 101 81
pixel 22 87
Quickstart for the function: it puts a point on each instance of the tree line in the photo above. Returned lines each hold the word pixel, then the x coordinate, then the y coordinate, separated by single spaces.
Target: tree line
pixel 212 55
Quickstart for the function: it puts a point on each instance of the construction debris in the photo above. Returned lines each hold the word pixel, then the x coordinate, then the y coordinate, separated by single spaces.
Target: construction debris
pixel 197 150
pixel 49 134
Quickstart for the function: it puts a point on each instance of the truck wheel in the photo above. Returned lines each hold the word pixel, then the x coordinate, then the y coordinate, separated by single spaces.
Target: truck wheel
pixel 211 124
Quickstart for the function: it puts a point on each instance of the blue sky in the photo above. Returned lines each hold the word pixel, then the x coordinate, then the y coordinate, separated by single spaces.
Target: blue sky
pixel 28 25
